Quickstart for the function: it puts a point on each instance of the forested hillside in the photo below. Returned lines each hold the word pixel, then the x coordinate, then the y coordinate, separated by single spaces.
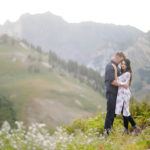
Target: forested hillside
pixel 44 88
pixel 89 43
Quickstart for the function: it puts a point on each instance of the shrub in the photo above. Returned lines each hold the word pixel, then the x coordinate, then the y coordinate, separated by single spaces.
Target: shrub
pixel 141 113
pixel 7 112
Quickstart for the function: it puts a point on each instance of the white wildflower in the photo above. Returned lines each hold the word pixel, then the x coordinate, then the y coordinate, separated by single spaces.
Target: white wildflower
pixel 5 126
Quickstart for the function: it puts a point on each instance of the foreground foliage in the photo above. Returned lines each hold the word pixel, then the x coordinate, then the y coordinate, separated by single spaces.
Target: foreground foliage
pixel 80 135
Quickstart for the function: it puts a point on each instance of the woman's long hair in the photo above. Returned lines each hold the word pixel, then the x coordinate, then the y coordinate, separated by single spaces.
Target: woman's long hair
pixel 128 69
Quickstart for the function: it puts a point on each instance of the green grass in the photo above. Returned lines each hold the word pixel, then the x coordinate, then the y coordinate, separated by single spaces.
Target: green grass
pixel 81 134
pixel 22 86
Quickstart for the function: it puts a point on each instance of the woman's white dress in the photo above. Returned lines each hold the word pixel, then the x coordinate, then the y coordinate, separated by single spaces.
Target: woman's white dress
pixel 123 96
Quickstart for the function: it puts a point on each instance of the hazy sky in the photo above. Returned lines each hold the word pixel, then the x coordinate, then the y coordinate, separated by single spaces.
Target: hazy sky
pixel 120 12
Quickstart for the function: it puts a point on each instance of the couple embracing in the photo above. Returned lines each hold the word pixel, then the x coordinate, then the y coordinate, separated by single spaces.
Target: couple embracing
pixel 117 82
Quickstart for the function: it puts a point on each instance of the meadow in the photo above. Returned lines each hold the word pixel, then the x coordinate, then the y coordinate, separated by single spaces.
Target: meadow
pixel 42 94
pixel 82 134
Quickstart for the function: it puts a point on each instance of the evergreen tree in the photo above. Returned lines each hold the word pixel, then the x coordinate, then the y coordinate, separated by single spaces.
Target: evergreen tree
pixel 7 112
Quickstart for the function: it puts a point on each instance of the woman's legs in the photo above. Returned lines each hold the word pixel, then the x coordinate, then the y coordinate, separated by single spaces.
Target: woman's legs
pixel 127 119
pixel 131 120
pixel 126 122
pixel 136 129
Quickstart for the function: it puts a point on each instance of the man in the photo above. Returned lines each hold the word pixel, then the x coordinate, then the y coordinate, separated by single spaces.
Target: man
pixel 112 89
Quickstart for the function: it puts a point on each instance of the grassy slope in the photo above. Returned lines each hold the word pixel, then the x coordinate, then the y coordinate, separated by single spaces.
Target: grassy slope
pixel 46 96
pixel 93 129
pixel 82 134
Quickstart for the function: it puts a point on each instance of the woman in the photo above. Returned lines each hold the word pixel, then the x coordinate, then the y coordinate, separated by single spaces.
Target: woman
pixel 123 96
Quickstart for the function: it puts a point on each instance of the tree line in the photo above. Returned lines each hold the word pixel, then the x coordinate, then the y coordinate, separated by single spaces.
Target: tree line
pixel 80 72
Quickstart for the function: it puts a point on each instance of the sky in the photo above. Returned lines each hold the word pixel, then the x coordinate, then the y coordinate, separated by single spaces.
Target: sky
pixel 120 12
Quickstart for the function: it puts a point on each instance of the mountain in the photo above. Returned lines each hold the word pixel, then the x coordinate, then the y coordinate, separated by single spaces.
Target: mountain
pixel 39 92
pixel 76 41
pixel 89 43
pixel 139 54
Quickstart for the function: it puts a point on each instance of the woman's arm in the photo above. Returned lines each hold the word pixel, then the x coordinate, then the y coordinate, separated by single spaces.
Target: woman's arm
pixel 115 68
pixel 116 82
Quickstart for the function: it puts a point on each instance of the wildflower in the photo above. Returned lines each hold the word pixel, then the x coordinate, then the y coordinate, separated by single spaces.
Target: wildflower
pixel 5 126
pixel 89 141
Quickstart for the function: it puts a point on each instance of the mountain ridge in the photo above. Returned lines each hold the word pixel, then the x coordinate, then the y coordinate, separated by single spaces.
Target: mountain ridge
pixel 89 43
pixel 70 40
